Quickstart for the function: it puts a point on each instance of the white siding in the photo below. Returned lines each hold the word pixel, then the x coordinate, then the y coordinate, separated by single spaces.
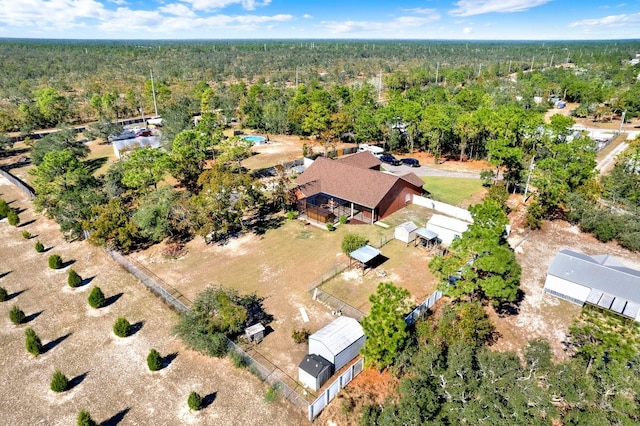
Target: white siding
pixel 307 379
pixel 345 356
pixel 571 291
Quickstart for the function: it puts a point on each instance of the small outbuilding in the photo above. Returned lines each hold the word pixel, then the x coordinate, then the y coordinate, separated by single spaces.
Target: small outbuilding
pixel 405 232
pixel 364 255
pixel 314 371
pixel 426 238
pixel 339 342
pixel 447 228
pixel 255 333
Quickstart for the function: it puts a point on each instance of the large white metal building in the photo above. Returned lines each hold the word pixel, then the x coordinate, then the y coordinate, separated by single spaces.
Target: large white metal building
pixel 339 342
pixel 600 280
pixel 447 228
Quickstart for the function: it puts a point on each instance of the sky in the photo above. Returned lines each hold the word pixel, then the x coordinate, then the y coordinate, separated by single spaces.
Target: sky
pixel 315 19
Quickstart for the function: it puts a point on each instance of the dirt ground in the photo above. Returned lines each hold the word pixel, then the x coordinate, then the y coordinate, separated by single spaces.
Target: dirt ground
pixel 109 375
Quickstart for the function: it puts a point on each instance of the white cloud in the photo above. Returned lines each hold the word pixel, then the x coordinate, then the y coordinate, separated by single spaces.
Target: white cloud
pixel 398 24
pixel 118 2
pixel 617 21
pixel 53 14
pixel 467 30
pixel 307 16
pixel 478 7
pixel 208 5
pixel 177 9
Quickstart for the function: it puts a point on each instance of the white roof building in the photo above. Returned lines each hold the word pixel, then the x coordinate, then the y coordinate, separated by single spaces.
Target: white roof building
pixel 339 342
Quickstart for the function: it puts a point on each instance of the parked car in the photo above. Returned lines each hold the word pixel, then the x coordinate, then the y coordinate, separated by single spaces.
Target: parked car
pixel 410 162
pixel 143 132
pixel 390 159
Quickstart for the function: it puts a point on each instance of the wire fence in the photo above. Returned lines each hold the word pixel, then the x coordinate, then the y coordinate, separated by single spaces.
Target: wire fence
pixel 336 305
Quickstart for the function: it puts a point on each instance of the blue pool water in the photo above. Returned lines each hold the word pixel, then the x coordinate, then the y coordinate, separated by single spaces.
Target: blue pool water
pixel 255 139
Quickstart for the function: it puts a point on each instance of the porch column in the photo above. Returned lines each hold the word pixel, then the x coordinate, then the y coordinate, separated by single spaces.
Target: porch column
pixel 351 210
pixel 373 212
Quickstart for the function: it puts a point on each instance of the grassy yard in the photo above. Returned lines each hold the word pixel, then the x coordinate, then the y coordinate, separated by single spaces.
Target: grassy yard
pixel 451 190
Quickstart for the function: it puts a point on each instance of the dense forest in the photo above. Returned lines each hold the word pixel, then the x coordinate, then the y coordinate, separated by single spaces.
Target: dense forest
pixel 480 100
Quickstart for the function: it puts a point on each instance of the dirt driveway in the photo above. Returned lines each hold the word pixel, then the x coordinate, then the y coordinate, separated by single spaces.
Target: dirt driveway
pixel 109 374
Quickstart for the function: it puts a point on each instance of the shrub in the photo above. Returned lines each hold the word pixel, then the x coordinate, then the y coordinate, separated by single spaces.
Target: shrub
pixel 292 214
pixel 26 235
pixel 534 215
pixel 55 261
pixel 343 220
pixel 4 209
pixel 237 360
pixel 3 294
pixel 13 218
pixel 59 382
pixel 96 298
pixel 352 242
pixel 16 315
pixel 32 342
pixel 154 360
pixel 84 419
pixel 271 393
pixel 121 327
pixel 330 227
pixel 74 280
pixel 39 247
pixel 300 336
pixel 194 401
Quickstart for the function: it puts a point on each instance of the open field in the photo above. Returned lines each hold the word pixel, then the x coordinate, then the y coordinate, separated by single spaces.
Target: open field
pixel 108 374
pixel 279 264
pixel 451 190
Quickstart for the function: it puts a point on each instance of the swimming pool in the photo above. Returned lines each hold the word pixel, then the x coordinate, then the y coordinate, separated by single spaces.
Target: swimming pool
pixel 256 140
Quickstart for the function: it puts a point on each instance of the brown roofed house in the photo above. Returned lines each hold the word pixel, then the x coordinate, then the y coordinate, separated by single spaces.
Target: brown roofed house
pixel 353 187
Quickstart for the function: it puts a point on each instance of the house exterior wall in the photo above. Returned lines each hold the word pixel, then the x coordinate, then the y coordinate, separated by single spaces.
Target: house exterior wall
pixel 567 290
pixel 396 198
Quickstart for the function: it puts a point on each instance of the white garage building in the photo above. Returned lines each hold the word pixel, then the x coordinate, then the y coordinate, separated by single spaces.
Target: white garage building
pixel 339 342
pixel 447 228
pixel 599 280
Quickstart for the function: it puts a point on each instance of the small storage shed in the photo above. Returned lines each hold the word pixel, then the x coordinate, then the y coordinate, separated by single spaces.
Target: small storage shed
pixel 338 342
pixel 255 333
pixel 405 232
pixel 314 371
pixel 426 238
pixel 446 227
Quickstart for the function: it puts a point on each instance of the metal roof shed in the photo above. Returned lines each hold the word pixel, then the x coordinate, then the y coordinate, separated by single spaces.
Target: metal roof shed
pixel 405 232
pixel 446 227
pixel 364 255
pixel 338 342
pixel 314 371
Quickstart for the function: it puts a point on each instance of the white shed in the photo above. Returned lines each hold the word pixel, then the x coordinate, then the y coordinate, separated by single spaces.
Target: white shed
pixel 124 145
pixel 405 232
pixel 338 342
pixel 446 227
pixel 314 371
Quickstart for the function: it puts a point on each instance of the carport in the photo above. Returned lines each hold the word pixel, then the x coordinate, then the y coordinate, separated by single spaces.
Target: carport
pixel 363 256
pixel 426 238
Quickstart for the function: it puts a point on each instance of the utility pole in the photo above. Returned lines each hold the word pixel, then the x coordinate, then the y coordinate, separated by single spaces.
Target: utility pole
pixel 153 90
pixel 437 70
pixel 526 187
pixel 622 121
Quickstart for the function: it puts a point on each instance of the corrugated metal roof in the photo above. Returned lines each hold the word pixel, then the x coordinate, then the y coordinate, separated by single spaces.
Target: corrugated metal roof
pixel 365 254
pixel 616 281
pixel 426 234
pixel 339 334
pixel 447 222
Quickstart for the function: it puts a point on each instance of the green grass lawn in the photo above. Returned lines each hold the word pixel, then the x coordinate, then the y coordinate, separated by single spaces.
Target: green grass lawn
pixel 451 190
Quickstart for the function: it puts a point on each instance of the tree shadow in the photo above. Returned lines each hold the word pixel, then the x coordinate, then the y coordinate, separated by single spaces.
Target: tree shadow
pixel 116 418
pixel 112 299
pixel 29 222
pixel 52 344
pixel 135 327
pixel 95 163
pixel 86 281
pixel 167 360
pixel 207 400
pixel 263 225
pixel 32 316
pixel 77 380
pixel 67 263
pixel 511 308
pixel 4 274
pixel 47 249
pixel 16 294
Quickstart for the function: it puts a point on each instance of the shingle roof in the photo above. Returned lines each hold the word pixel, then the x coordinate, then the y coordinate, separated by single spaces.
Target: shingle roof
pixel 314 364
pixel 600 273
pixel 356 184
pixel 363 159
pixel 339 334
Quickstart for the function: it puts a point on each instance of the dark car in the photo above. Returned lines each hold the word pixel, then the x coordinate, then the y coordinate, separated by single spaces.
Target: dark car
pixel 390 159
pixel 410 162
pixel 143 132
